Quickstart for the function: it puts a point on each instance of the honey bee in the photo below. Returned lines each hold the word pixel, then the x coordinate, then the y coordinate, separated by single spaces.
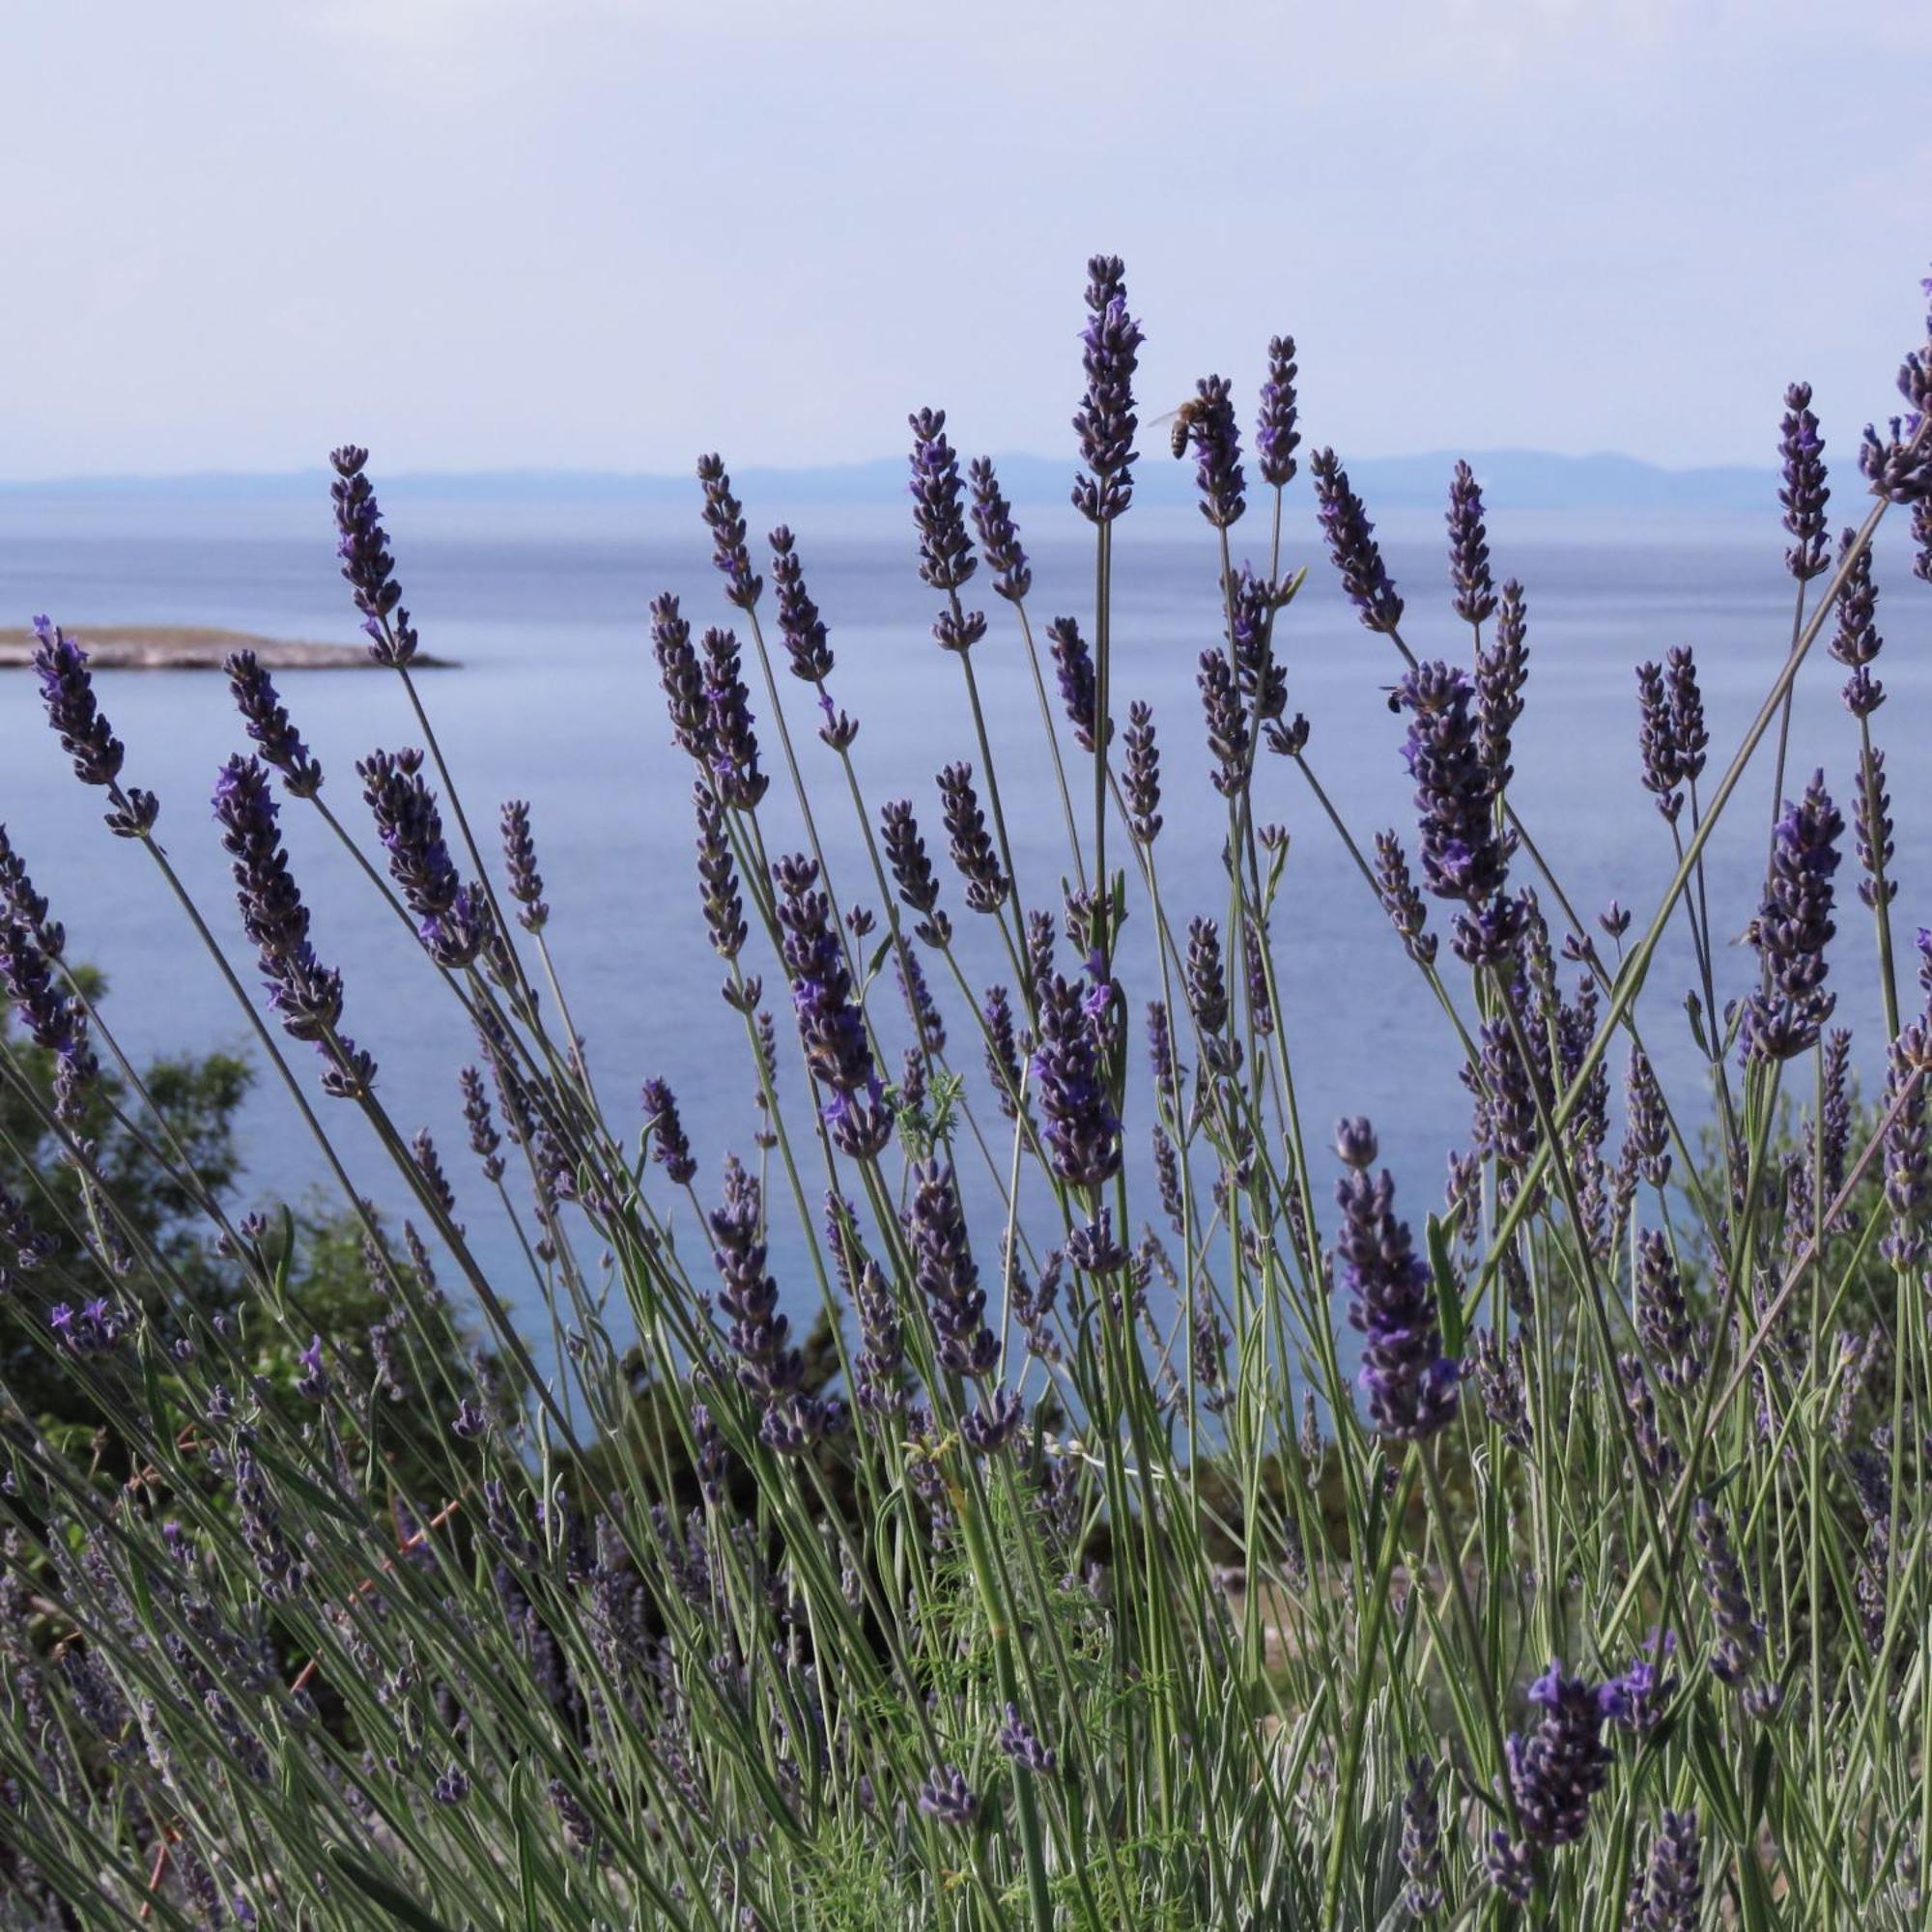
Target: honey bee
pixel 1182 421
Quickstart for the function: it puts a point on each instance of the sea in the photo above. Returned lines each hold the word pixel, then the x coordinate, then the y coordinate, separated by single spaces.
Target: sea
pixel 541 598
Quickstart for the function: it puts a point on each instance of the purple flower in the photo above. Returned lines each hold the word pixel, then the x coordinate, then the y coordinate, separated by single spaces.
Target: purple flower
pixel 1563 1763
pixel 90 1329
pixel 1073 662
pixel 1019 1742
pixel 1409 1383
pixel 665 1127
pixel 1207 423
pixel 1226 721
pixel 730 740
pixel 683 679
pixel 267 723
pixel 305 995
pixel 987 883
pixel 1871 821
pixel 1408 913
pixel 367 567
pixel 947 1797
pixel 831 1028
pixel 1351 544
pixel 1497 1367
pixel 313 1381
pixel 724 518
pixel 1662 764
pixel 1662 1315
pixel 999 536
pixel 452 918
pixel 946 560
pixel 1105 421
pixel 912 870
pixel 1275 432
pixel 1856 642
pixel 1802 488
pixel 717 875
pixel 1421 1841
pixel 1465 858
pixel 1794 925
pixel 1739 1648
pixel 945 1273
pixel 800 626
pixel 519 861
pixel 1140 782
pixel 1673 1892
pixel 1082 1129
pixel 66 690
pixel 1470 548
pixel 1502 670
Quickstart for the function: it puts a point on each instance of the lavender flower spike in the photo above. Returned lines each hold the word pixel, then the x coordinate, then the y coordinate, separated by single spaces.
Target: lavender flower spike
pixel 1411 1385
pixel 1855 643
pixel 1351 544
pixel 66 690
pixel 452 920
pixel 1563 1763
pixel 1083 1132
pixel 367 567
pixel 268 722
pixel 1275 433
pixel 999 535
pixel 1105 421
pixel 724 518
pixel 1209 426
pixel 304 994
pixel 1793 926
pixel 1802 488
pixel 1470 548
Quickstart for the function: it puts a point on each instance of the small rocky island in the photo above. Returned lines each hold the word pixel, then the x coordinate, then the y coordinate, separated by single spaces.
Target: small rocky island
pixel 192 647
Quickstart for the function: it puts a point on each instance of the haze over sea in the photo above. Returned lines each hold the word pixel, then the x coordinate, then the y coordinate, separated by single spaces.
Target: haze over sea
pixel 540 590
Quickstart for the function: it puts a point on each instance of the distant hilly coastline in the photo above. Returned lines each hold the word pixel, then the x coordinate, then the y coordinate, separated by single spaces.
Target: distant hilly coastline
pixel 1513 479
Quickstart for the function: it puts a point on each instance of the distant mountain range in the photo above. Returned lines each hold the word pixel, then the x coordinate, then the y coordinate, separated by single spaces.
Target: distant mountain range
pixel 1513 479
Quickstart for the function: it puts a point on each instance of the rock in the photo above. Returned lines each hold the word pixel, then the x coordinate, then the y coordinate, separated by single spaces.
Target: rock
pixel 192 647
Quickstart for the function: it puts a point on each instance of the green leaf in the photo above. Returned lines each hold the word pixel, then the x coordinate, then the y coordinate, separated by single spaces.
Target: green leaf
pixel 1448 1291
pixel 393 1900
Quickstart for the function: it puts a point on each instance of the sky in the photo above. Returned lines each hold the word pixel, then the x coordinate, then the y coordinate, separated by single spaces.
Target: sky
pixel 611 234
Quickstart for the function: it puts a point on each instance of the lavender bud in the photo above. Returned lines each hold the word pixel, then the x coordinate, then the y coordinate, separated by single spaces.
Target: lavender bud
pixel 1019 1742
pixel 945 1273
pixel 665 1128
pixel 733 744
pixel 1351 544
pixel 912 870
pixel 519 861
pixel 718 876
pixel 1083 1132
pixel 367 567
pixel 1563 1763
pixel 946 560
pixel 1105 421
pixel 1140 782
pixel 1802 488
pixel 1074 663
pixel 267 725
pixel 1401 901
pixel 1649 1129
pixel 999 538
pixel 1740 1646
pixel 1275 434
pixel 1409 1383
pixel 1656 744
pixel 1421 1841
pixel 724 518
pixel 1498 1372
pixel 1674 1891
pixel 1228 736
pixel 1501 673
pixel 453 921
pixel 1662 1315
pixel 1003 1057
pixel 1470 548
pixel 921 1007
pixel 1207 424
pixel 986 884
pixel 800 628
pixel 1871 818
pixel 947 1797
pixel 1855 643
pixel 682 678
pixel 1793 926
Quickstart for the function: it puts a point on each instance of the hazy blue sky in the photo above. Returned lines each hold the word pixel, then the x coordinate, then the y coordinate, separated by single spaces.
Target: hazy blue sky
pixel 609 233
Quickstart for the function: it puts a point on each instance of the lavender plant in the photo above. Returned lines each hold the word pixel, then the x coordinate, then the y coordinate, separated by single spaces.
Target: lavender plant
pixel 967 1503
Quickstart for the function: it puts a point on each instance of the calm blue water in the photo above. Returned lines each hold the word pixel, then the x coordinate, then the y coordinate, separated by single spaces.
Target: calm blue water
pixel 545 604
